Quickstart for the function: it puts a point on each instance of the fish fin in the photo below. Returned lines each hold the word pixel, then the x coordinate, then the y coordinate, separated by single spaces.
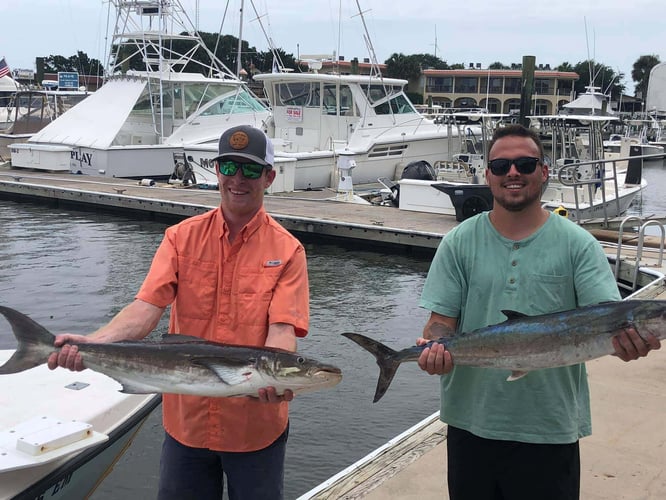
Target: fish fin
pixel 386 361
pixel 176 338
pixel 35 342
pixel 514 314
pixel 230 375
pixel 515 375
pixel 129 388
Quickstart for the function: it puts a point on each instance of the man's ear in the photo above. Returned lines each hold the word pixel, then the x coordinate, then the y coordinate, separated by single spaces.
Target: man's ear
pixel 270 177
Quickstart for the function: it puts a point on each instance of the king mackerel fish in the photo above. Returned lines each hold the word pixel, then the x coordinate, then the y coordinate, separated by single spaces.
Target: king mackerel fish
pixel 178 364
pixel 525 343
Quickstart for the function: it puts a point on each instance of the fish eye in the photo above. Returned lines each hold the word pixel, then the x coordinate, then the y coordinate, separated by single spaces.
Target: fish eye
pixel 300 360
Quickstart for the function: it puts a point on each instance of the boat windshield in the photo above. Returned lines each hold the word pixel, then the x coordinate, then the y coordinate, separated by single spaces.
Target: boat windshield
pixel 387 99
pixel 180 98
pixel 234 102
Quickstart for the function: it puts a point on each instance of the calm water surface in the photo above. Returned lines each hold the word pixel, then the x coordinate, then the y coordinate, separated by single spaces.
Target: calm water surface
pixel 72 271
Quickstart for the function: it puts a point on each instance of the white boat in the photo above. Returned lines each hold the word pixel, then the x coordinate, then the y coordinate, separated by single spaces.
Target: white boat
pixel 635 137
pixel 62 431
pixel 582 184
pixel 30 110
pixel 655 99
pixel 365 119
pixel 137 123
pixel 8 88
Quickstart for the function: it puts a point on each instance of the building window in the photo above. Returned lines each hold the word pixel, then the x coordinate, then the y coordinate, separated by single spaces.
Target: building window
pixel 439 84
pixel 467 85
pixel 565 87
pixel 543 86
pixel 512 86
pixel 495 86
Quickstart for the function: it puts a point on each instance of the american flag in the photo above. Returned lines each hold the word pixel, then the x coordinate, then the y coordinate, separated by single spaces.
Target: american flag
pixel 4 69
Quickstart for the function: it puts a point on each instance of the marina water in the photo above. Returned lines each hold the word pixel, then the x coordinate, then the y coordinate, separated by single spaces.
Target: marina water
pixel 73 270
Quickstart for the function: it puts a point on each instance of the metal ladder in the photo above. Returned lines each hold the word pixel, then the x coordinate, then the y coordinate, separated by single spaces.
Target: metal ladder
pixel 639 248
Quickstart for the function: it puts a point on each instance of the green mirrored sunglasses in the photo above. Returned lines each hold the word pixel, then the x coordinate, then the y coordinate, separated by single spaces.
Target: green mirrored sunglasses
pixel 249 170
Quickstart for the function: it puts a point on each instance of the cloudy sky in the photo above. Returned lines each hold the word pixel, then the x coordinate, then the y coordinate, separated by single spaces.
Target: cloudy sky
pixel 613 32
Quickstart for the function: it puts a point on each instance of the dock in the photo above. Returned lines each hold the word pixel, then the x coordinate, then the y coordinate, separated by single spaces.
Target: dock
pixel 311 215
pixel 622 459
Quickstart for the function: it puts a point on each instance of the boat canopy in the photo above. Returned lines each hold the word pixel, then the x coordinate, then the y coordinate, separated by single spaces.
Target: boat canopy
pixel 655 102
pixel 96 121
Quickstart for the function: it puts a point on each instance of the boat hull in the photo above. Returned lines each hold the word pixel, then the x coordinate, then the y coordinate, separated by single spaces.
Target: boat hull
pixel 86 397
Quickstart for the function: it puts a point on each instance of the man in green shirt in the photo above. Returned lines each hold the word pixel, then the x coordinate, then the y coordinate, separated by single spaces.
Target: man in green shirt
pixel 515 440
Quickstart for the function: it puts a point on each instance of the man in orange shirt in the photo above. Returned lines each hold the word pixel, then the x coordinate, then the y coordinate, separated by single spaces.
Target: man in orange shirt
pixel 231 275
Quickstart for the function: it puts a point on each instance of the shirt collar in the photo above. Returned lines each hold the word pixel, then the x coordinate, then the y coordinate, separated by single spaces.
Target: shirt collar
pixel 255 223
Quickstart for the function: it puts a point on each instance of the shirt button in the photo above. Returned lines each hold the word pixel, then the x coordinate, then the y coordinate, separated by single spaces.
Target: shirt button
pixel 512 281
pixel 514 263
pixel 516 246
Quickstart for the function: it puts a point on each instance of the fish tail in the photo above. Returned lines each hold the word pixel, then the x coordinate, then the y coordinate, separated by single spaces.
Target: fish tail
pixel 386 360
pixel 34 342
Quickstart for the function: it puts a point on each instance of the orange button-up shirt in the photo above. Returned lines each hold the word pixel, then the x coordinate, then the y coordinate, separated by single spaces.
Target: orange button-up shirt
pixel 228 292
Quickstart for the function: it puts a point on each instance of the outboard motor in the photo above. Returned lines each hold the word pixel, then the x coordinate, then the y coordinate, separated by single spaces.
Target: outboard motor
pixel 419 170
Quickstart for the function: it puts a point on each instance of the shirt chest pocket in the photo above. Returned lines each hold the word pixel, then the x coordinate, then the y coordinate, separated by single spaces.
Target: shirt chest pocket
pixel 197 286
pixel 254 292
pixel 550 291
pixel 258 283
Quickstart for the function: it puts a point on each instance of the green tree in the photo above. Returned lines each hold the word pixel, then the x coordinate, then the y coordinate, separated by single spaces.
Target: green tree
pixel 565 67
pixel 498 65
pixel 640 73
pixel 402 66
pixel 80 62
pixel 428 61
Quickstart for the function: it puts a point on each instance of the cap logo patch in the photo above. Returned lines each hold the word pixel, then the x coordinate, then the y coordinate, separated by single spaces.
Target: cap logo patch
pixel 239 140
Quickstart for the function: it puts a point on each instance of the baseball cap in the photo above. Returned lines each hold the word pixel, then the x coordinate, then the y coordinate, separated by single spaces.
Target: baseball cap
pixel 244 141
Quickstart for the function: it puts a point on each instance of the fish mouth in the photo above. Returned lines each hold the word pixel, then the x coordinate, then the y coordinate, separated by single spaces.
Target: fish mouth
pixel 328 375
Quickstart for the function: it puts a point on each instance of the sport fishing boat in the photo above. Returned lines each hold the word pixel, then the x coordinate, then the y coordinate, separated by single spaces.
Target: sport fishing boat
pixel 156 99
pixel 61 431
pixel 318 118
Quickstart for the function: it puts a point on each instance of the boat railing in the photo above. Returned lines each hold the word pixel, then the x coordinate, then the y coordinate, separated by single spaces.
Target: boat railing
pixel 596 175
pixel 635 221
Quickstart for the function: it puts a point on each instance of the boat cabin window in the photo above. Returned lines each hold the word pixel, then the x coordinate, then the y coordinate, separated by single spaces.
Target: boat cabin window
pixel 338 96
pixel 298 94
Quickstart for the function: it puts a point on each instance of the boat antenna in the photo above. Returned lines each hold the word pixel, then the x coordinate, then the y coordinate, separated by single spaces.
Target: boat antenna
pixel 374 71
pixel 239 64
pixel 435 44
pixel 271 45
pixel 590 62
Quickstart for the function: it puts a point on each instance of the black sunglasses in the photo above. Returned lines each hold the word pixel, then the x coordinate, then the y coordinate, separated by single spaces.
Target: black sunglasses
pixel 249 170
pixel 524 165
